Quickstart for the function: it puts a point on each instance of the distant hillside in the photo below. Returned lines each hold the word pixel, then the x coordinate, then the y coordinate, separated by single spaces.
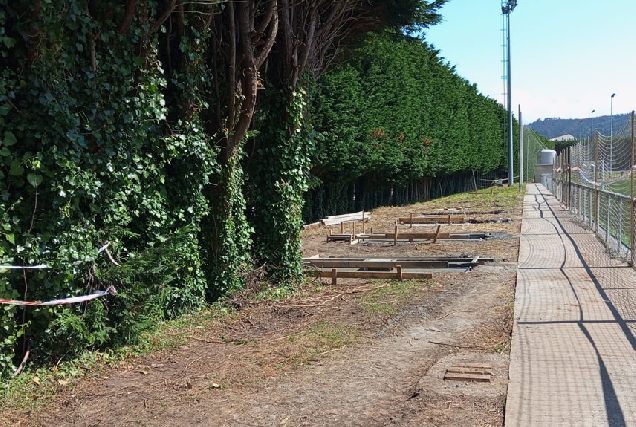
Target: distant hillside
pixel 580 128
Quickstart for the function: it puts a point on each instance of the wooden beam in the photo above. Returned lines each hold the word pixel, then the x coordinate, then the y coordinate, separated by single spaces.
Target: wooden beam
pixel 406 275
pixel 403 260
pixel 337 263
pixel 433 220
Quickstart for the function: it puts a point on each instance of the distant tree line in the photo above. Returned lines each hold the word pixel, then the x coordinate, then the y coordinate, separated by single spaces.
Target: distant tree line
pixel 579 128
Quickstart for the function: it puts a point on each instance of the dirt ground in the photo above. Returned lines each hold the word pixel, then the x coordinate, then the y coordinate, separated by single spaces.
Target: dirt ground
pixel 331 355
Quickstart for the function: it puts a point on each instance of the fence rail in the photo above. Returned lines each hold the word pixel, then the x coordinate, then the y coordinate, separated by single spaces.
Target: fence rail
pixel 594 179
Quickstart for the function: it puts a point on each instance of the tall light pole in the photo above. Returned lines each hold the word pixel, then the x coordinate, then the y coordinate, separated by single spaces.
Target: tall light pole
pixel 592 122
pixel 611 132
pixel 506 9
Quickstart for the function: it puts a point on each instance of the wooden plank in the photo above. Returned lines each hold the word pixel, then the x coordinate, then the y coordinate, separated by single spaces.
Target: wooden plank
pixel 340 238
pixel 337 219
pixel 472 365
pixel 338 263
pixel 402 259
pixel 467 377
pixel 408 236
pixel 469 370
pixel 369 274
pixel 447 219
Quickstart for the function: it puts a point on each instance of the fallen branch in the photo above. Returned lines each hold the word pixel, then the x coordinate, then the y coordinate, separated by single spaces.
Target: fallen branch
pixel 23 364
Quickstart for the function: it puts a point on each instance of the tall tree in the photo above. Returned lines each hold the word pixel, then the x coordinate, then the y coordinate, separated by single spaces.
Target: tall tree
pixel 309 40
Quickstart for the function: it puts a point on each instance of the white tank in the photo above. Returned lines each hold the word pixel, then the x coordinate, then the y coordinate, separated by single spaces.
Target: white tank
pixel 546 157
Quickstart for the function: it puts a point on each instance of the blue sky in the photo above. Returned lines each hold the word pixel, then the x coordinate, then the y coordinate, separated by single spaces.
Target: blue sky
pixel 568 56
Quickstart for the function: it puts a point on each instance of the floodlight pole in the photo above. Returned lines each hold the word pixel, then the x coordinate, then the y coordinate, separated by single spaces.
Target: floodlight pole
pixel 611 133
pixel 506 9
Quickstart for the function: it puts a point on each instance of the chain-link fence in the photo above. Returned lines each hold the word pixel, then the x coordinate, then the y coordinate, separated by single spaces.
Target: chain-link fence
pixel 595 180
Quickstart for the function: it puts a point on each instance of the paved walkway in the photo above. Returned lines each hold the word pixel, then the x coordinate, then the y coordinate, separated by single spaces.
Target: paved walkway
pixel 573 357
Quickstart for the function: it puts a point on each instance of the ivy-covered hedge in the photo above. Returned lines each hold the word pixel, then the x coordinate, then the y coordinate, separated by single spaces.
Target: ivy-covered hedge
pixel 88 156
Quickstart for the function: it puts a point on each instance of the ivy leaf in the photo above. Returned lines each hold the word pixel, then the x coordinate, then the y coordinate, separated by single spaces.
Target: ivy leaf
pixel 34 179
pixel 16 169
pixel 9 139
pixel 10 238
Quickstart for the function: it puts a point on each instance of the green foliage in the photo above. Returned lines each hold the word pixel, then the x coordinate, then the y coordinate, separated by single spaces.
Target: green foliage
pixel 392 115
pixel 227 228
pixel 278 182
pixel 91 152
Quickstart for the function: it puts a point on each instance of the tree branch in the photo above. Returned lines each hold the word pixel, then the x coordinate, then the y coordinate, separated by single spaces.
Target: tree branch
pixel 128 17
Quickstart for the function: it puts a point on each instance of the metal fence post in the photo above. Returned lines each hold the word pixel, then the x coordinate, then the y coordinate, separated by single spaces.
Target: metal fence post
pixel 596 204
pixel 607 217
pixel 631 215
pixel 620 224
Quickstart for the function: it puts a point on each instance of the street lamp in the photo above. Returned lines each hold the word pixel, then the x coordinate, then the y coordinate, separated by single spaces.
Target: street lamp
pixel 611 131
pixel 506 8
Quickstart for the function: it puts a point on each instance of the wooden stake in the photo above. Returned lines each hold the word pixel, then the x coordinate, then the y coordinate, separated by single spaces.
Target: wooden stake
pixel 363 222
pixel 449 220
pixel 353 224
pixel 436 234
pixel 399 272
pixel 396 234
pixel 342 228
pixel 411 220
pixel 334 277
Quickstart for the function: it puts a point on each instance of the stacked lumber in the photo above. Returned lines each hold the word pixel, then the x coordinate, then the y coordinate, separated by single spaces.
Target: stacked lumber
pixel 338 219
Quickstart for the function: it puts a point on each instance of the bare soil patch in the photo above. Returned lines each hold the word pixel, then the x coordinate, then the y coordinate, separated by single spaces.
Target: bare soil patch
pixel 362 353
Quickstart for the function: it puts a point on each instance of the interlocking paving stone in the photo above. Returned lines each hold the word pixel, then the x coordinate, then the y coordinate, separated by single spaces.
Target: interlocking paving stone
pixel 573 355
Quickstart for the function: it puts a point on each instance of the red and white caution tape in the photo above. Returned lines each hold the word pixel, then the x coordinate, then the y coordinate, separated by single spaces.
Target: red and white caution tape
pixel 110 290
pixel 25 267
